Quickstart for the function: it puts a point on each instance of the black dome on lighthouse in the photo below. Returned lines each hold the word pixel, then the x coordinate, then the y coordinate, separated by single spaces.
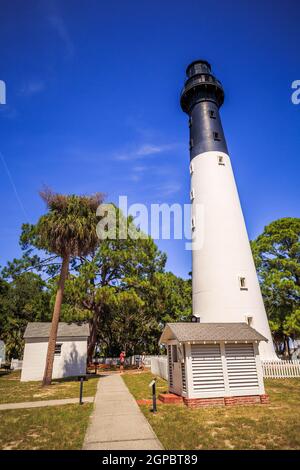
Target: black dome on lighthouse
pixel 201 85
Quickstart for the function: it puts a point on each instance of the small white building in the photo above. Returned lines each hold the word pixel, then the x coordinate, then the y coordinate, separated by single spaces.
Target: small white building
pixel 214 363
pixel 70 351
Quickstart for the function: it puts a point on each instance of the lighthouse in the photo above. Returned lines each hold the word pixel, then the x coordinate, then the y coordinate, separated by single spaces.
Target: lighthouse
pixel 224 279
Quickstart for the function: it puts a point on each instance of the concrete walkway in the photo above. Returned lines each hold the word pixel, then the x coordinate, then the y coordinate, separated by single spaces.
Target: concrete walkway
pixel 41 403
pixel 117 422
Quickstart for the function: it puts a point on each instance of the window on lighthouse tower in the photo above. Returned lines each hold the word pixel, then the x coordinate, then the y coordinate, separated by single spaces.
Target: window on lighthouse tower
pixel 243 283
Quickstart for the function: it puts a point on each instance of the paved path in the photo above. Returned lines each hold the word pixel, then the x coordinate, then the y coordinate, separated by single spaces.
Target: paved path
pixel 41 403
pixel 117 422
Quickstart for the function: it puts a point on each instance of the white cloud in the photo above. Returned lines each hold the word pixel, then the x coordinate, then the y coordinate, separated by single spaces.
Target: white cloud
pixel 32 87
pixel 149 149
pixel 53 15
pixel 140 169
pixel 145 150
pixel 58 24
pixel 170 189
pixel 8 112
pixel 135 177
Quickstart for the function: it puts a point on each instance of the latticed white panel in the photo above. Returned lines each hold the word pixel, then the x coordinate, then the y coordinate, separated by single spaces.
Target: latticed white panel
pixel 241 366
pixel 170 365
pixel 183 376
pixel 207 368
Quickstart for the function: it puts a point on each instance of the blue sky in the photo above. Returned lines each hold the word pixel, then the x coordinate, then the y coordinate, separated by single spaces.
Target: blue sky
pixel 93 104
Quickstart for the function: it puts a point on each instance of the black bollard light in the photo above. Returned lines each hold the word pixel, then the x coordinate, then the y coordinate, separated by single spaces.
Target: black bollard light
pixel 153 385
pixel 81 378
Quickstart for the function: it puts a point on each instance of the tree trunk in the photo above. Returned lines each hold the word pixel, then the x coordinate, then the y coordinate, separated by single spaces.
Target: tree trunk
pixel 277 347
pixel 55 320
pixel 93 338
pixel 286 347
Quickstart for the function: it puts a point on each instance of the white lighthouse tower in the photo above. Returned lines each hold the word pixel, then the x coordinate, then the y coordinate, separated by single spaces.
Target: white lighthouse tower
pixel 225 284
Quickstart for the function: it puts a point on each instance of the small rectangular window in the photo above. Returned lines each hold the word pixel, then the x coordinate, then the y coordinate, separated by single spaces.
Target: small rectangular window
pixel 243 284
pixel 216 136
pixel 192 194
pixel 221 160
pixel 191 167
pixel 212 114
pixel 193 223
pixel 249 320
pixel 57 350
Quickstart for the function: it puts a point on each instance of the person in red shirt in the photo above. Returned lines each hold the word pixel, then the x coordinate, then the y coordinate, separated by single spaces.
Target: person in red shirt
pixel 122 361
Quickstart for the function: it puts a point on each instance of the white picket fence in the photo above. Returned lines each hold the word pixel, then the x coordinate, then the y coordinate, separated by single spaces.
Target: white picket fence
pixel 159 366
pixel 16 364
pixel 271 369
pixel 130 360
pixel 281 369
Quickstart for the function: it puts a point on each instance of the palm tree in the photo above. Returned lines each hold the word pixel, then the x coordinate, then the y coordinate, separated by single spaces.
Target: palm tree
pixel 68 230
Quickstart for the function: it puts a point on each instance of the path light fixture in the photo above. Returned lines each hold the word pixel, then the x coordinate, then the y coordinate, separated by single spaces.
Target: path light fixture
pixel 81 379
pixel 152 385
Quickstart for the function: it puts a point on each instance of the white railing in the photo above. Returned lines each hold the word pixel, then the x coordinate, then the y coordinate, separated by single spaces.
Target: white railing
pixel 271 369
pixel 281 369
pixel 16 364
pixel 129 360
pixel 159 366
pixel 135 360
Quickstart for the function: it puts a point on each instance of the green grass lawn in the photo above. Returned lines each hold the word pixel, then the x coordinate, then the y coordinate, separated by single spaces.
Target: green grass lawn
pixel 273 426
pixel 138 384
pixel 13 391
pixel 53 427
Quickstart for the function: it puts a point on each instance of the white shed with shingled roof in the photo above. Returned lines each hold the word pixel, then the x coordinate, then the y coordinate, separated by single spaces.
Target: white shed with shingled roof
pixel 214 362
pixel 70 351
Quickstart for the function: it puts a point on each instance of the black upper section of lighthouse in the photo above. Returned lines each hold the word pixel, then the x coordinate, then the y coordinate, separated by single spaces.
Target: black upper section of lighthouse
pixel 201 98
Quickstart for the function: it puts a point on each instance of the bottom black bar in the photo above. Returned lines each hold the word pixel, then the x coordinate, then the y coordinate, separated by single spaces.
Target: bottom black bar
pixel 136 459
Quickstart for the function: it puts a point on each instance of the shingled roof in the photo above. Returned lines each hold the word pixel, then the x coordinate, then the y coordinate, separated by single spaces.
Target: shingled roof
pixel 70 330
pixel 189 331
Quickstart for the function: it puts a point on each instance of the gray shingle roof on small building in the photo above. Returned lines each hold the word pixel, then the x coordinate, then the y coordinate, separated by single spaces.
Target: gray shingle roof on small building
pixel 185 331
pixel 42 330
